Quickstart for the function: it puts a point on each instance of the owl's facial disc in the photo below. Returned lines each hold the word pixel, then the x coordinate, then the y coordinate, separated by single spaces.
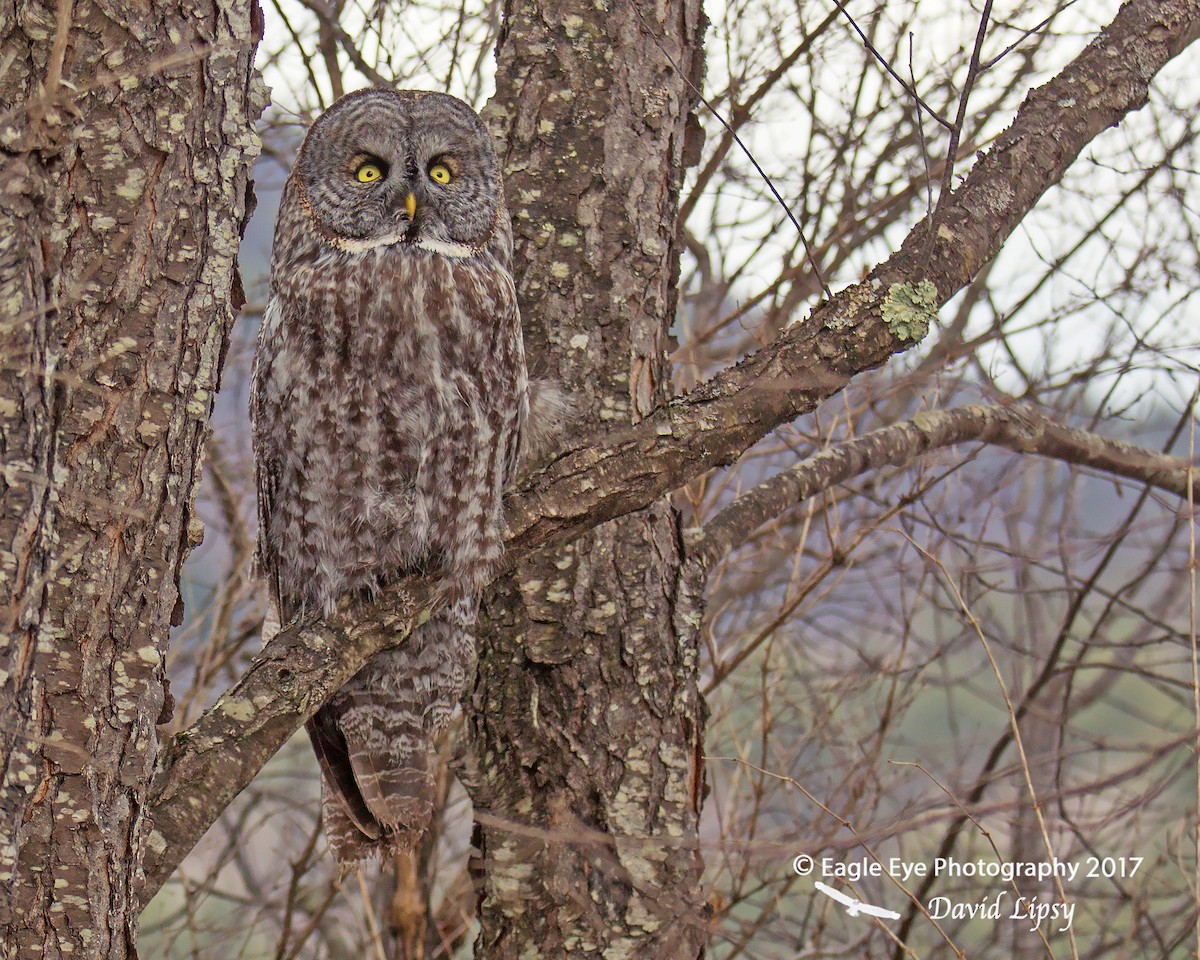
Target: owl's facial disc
pixel 382 167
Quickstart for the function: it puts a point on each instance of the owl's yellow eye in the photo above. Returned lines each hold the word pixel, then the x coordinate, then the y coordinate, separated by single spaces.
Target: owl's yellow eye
pixel 368 173
pixel 440 173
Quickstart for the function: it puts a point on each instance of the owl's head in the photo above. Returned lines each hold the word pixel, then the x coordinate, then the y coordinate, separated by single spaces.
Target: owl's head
pixel 401 166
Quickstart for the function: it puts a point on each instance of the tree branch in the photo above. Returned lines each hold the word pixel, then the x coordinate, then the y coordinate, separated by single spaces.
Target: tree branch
pixel 846 335
pixel 207 765
pixel 1019 428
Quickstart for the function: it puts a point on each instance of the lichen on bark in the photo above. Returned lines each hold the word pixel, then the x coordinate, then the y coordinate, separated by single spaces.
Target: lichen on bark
pixel 909 309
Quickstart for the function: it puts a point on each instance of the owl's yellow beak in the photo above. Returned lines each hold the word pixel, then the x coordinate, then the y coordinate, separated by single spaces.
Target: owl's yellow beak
pixel 410 204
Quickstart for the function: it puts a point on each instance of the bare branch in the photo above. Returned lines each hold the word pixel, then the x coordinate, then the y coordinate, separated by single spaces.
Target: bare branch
pixel 1019 428
pixel 845 335
pixel 207 765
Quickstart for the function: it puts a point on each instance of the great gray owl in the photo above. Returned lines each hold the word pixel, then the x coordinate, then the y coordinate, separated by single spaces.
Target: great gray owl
pixel 388 399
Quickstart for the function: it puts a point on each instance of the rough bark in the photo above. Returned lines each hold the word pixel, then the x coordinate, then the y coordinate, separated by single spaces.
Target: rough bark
pixel 609 474
pixel 125 150
pixel 586 725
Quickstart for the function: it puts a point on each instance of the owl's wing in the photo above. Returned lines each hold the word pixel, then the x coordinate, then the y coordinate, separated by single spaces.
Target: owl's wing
pixel 333 755
pixel 264 565
pixel 266 456
pixel 513 446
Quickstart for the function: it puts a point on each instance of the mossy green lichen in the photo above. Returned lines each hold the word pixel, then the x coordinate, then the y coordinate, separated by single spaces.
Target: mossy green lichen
pixel 909 308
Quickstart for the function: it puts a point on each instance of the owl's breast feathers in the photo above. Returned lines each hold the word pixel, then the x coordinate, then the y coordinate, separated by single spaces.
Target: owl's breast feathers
pixel 388 393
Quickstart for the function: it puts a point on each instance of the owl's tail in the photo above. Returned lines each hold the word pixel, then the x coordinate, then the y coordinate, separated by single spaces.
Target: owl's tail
pixel 375 737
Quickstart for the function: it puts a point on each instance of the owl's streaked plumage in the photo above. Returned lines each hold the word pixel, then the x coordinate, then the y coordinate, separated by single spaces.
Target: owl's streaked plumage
pixel 388 399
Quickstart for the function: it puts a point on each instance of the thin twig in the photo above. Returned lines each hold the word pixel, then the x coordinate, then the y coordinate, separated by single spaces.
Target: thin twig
pixel 961 118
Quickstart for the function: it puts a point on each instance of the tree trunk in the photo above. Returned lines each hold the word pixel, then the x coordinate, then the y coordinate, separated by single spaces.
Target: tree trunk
pixel 127 138
pixel 586 724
